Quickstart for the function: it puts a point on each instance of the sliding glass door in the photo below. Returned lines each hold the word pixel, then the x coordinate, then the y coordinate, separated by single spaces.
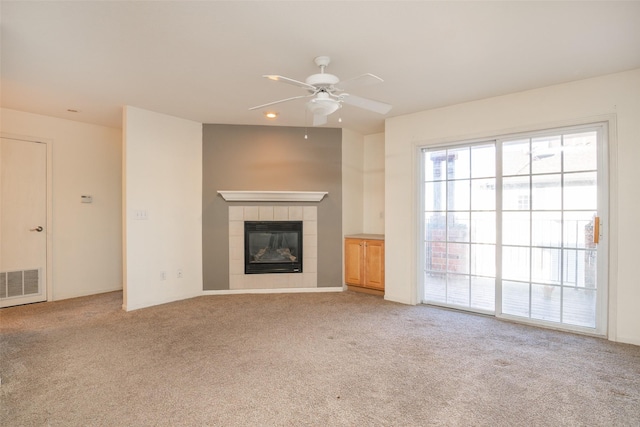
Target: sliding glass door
pixel 460 226
pixel 514 227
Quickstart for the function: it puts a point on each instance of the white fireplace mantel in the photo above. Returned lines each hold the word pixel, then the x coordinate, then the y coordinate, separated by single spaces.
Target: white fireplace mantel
pixel 273 196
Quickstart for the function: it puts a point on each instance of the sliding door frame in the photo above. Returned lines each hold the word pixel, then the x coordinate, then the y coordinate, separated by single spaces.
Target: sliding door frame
pixel 607 196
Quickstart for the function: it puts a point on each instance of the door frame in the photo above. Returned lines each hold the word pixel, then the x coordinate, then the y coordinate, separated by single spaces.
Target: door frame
pixel 607 160
pixel 48 285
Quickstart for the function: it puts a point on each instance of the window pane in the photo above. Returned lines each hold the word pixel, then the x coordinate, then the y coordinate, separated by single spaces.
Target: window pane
pixel 590 269
pixel 545 302
pixel 483 260
pixel 579 268
pixel 515 228
pixel 483 161
pixel 435 287
pixel 483 227
pixel 435 226
pixel 546 154
pixel 515 263
pixel 571 270
pixel 580 152
pixel 515 157
pixel 546 192
pixel 435 256
pixel 515 193
pixel 515 298
pixel 458 289
pixel 579 307
pixel 546 265
pixel 435 196
pixel 434 164
pixel 483 293
pixel 458 258
pixel 458 163
pixel 458 227
pixel 458 195
pixel 483 194
pixel 580 191
pixel 578 229
pixel 546 229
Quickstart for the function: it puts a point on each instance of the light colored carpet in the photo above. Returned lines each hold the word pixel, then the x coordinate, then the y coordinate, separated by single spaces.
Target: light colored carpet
pixel 334 359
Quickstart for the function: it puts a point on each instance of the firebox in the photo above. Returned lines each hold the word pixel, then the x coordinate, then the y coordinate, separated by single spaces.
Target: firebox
pixel 272 247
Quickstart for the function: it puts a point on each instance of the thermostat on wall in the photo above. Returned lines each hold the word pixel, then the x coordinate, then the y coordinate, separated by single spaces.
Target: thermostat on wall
pixel 86 199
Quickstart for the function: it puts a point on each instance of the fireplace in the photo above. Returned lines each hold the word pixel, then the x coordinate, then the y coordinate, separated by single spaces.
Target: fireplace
pixel 272 247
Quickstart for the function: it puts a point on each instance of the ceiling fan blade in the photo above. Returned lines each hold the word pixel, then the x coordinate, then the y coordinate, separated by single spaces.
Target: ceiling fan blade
pixel 283 79
pixel 319 120
pixel 367 104
pixel 278 102
pixel 361 80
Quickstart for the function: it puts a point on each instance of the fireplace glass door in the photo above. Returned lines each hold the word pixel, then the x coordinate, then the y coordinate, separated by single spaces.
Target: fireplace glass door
pixel 273 247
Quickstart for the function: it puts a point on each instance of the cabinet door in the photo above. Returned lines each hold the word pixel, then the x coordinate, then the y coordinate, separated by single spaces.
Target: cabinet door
pixel 354 262
pixel 374 264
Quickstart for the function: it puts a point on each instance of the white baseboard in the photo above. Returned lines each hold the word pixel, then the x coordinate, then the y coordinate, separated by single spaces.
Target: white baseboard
pixel 272 291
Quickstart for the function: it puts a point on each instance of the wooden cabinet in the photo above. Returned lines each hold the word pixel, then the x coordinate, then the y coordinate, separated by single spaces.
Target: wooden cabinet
pixel 364 263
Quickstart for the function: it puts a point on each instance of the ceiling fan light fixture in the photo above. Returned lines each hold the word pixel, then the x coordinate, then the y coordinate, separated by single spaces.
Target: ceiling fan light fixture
pixel 323 105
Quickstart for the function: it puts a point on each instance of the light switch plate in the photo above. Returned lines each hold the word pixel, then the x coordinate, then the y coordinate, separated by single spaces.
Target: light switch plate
pixel 141 214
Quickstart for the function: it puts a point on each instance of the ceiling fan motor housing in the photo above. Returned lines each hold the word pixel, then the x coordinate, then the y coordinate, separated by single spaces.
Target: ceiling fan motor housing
pixel 322 80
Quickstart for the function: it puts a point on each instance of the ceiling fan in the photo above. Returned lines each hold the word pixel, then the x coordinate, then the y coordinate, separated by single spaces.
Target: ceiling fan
pixel 327 92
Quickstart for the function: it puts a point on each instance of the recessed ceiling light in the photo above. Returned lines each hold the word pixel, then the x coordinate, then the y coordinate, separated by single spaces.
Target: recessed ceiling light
pixel 71 110
pixel 271 114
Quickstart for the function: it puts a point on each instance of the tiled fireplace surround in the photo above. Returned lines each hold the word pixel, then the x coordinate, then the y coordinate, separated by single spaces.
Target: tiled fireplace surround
pixel 307 279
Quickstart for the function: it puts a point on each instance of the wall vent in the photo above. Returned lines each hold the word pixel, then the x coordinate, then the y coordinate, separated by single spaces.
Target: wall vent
pixel 19 283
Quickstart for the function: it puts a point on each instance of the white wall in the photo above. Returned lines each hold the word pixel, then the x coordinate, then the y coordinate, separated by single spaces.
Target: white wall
pixel 86 238
pixel 614 96
pixel 162 159
pixel 352 182
pixel 362 183
pixel 373 210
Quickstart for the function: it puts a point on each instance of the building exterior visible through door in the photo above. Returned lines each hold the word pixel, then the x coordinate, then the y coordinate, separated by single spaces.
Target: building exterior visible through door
pixel 515 226
pixel 23 222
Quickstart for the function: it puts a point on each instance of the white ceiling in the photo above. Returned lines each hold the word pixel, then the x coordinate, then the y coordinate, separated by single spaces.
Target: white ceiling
pixel 203 61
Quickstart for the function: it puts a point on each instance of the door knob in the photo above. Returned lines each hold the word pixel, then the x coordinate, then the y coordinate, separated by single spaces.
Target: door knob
pixel 38 229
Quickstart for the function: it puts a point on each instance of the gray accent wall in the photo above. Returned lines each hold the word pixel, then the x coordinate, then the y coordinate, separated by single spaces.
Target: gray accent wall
pixel 237 157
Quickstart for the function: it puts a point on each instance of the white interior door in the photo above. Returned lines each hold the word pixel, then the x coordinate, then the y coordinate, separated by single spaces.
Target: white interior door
pixel 23 222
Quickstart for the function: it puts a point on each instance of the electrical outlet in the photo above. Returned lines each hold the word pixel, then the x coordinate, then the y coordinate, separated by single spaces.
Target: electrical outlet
pixel 163 275
pixel 179 273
